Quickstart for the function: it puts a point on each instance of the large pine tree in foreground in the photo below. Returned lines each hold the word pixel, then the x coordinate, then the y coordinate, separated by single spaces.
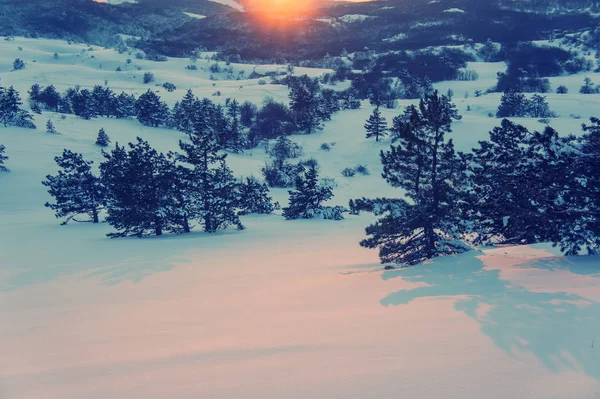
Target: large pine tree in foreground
pixel 76 190
pixel 429 225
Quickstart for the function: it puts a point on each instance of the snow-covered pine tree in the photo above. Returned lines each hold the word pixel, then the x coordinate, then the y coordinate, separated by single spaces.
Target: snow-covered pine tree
pixel 304 103
pixel 50 98
pixel 184 113
pixel 376 125
pixel 3 158
pixel 50 127
pixel 83 104
pixel 102 140
pixel 124 106
pixel 34 97
pixel 254 197
pixel 512 104
pixel 211 189
pixel 140 185
pixel 76 190
pixel 500 202
pixel 306 201
pixel 234 137
pixel 579 227
pixel 430 226
pixel 150 110
pixel 10 103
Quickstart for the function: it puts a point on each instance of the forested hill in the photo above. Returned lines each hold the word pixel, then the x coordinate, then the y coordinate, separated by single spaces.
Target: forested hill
pixel 379 25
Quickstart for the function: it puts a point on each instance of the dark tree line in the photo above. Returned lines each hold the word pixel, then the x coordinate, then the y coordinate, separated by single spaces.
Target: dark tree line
pixel 519 187
pixel 236 126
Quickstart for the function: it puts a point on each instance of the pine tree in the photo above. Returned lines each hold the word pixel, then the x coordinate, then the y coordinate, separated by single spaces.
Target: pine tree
pixel 512 104
pixel 429 226
pixel 211 188
pixel 10 103
pixel 102 140
pixel 500 202
pixel 35 93
pixel 150 110
pixel 124 106
pixel 306 202
pixel 376 125
pixel 83 104
pixel 184 113
pixel 50 127
pixel 254 197
pixel 50 98
pixel 140 186
pixel 234 139
pixel 3 158
pixel 579 228
pixel 76 190
pixel 304 103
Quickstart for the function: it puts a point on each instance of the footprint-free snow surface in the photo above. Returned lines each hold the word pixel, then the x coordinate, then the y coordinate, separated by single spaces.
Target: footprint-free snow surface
pixel 284 309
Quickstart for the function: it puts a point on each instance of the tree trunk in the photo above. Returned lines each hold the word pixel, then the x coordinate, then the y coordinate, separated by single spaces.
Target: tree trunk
pixel 186 225
pixel 95 216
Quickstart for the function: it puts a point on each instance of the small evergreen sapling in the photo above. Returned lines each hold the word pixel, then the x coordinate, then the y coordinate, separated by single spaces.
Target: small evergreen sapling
pixel 50 127
pixel 376 125
pixel 76 190
pixel 102 140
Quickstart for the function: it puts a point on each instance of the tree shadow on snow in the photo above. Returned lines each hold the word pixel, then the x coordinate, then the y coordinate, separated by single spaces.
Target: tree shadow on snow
pixel 562 330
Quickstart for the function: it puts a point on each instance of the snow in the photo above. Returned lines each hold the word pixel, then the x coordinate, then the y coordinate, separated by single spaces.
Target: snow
pixel 455 10
pixel 292 309
pixel 350 18
pixel 230 3
pixel 196 16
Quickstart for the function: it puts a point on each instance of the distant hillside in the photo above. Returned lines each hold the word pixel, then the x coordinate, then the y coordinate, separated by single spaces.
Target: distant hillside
pixel 379 25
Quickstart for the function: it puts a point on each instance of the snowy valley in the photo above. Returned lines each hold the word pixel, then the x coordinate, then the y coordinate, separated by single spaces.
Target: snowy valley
pixel 283 308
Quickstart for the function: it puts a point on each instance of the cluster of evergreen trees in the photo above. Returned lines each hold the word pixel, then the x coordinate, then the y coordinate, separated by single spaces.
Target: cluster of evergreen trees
pixel 87 104
pixel 237 126
pixel 515 104
pixel 147 192
pixel 11 112
pixel 519 187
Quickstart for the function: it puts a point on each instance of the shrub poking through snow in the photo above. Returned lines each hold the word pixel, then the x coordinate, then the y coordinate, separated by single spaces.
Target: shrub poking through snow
pixel 148 77
pixel 362 169
pixel 348 172
pixel 18 64
pixel 170 87
pixel 334 212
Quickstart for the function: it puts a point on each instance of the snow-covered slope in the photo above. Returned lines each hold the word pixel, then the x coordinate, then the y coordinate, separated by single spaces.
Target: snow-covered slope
pixel 292 309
